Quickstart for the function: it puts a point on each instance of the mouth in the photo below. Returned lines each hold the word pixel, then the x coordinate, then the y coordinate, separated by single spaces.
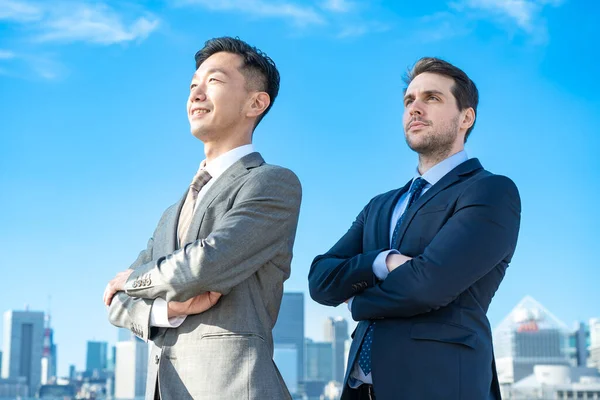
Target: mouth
pixel 417 125
pixel 196 112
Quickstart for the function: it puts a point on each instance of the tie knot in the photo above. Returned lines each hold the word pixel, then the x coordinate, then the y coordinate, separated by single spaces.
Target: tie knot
pixel 201 179
pixel 418 185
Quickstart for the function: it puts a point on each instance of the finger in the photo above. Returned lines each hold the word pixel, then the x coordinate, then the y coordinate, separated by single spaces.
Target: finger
pixel 105 296
pixel 110 292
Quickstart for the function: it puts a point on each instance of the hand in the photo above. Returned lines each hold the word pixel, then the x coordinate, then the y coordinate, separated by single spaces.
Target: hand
pixel 195 305
pixel 394 260
pixel 115 285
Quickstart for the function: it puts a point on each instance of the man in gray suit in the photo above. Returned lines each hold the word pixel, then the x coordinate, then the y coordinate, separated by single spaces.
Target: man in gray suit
pixel 208 288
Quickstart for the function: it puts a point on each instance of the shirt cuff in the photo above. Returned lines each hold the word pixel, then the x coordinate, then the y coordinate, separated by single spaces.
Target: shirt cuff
pixel 380 268
pixel 350 304
pixel 159 315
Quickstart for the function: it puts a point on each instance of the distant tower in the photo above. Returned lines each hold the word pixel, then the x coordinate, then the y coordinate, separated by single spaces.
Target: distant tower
pixel 48 351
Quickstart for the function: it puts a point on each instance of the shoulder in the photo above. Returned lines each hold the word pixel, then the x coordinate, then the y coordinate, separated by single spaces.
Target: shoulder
pixel 271 174
pixel 273 179
pixel 490 187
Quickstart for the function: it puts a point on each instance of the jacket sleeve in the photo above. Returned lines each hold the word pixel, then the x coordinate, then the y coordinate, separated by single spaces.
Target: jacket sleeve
pixel 261 224
pixel 345 270
pixel 481 234
pixel 132 313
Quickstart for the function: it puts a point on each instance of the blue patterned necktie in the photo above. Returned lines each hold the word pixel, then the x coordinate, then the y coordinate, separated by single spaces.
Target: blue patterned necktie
pixel 364 356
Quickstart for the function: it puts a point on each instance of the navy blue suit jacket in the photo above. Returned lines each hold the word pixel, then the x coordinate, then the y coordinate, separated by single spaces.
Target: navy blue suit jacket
pixel 432 339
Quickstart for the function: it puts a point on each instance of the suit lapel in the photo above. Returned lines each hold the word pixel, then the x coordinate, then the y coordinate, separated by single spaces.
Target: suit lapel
pixel 173 222
pixel 385 215
pixel 238 169
pixel 447 180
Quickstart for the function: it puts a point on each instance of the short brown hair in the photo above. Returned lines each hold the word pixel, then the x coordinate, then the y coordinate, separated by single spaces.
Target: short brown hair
pixel 464 90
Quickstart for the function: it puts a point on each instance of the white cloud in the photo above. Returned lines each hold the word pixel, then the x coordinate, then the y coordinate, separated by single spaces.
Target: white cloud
pixel 337 6
pixel 19 11
pixel 440 26
pixel 65 21
pixel 7 55
pixel 524 13
pixel 299 15
pixel 94 24
pixel 361 29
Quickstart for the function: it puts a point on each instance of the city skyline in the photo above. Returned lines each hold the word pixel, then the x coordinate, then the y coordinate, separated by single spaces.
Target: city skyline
pixel 93 119
pixel 123 335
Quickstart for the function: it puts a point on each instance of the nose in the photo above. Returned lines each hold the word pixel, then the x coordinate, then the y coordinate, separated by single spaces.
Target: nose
pixel 416 107
pixel 198 93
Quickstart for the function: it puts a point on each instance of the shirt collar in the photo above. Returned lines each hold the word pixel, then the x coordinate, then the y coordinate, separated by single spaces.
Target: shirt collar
pixel 438 171
pixel 220 164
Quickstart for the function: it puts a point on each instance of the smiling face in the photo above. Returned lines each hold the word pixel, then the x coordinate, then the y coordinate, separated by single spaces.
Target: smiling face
pixel 433 124
pixel 219 104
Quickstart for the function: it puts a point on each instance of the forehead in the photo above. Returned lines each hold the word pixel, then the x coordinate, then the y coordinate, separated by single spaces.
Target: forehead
pixel 227 62
pixel 428 81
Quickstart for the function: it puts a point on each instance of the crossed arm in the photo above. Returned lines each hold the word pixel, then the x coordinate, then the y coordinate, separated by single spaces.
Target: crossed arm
pixel 481 234
pixel 260 224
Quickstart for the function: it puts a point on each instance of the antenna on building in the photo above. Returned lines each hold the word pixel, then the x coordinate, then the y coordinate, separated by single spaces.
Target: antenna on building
pixel 48 315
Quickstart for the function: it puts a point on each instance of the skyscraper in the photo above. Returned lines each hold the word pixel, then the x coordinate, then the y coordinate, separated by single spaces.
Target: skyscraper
pixel 23 344
pixel 130 369
pixel 97 357
pixel 319 361
pixel 289 329
pixel 336 332
pixel 528 336
pixel 285 357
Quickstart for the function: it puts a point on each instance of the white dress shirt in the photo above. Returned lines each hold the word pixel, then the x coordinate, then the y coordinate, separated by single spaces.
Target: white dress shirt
pixel 158 312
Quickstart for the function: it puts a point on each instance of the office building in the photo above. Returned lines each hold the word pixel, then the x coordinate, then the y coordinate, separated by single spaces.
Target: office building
pixel 130 369
pixel 96 358
pixel 530 335
pixel 318 361
pixel 285 357
pixel 23 345
pixel 556 382
pixel 289 329
pixel 336 332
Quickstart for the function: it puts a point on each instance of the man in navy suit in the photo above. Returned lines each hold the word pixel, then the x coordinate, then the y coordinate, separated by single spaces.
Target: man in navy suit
pixel 420 264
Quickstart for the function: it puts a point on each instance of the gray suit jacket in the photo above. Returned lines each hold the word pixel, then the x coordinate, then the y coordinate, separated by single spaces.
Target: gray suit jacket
pixel 239 244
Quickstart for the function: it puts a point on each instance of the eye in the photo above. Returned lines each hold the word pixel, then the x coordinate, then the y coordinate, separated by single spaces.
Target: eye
pixel 192 86
pixel 407 102
pixel 433 98
pixel 212 79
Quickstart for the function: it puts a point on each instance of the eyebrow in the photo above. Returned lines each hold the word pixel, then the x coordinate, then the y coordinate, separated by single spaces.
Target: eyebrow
pixel 425 94
pixel 212 71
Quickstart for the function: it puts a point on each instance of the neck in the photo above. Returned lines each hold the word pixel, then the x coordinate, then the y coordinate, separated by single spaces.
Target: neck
pixel 213 150
pixel 430 160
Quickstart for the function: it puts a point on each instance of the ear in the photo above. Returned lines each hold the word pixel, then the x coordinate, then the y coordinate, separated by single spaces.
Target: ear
pixel 468 119
pixel 259 102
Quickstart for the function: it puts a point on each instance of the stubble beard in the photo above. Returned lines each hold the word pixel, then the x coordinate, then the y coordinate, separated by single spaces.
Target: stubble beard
pixel 435 144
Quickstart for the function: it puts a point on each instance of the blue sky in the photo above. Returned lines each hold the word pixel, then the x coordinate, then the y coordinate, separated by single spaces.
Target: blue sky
pixel 95 143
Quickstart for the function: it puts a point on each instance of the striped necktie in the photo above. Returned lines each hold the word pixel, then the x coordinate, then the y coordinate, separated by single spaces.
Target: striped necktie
pixel 187 211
